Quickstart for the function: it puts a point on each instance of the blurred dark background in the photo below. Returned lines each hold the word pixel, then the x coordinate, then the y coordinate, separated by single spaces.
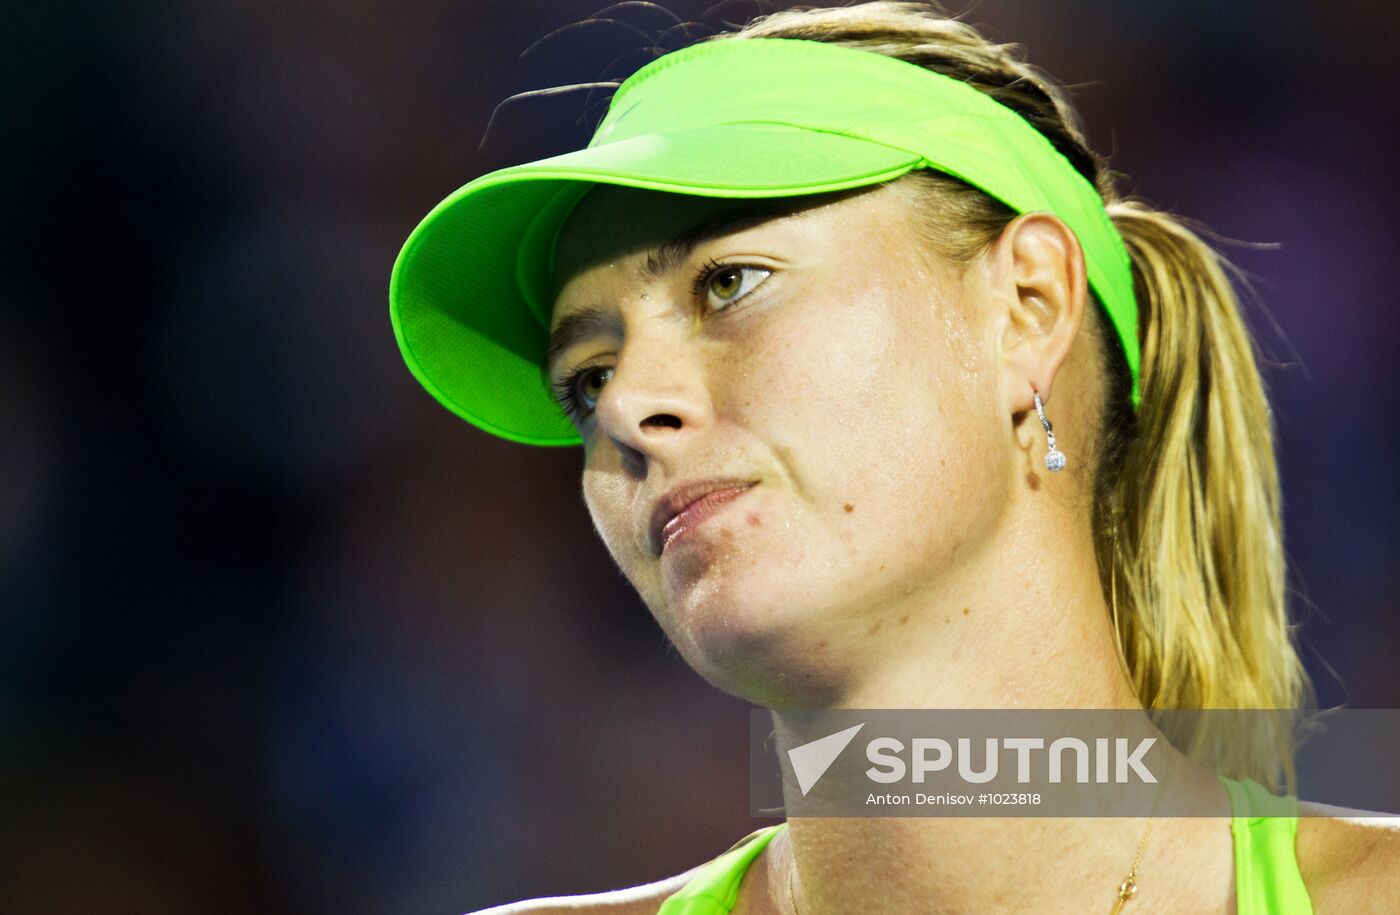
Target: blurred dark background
pixel 278 633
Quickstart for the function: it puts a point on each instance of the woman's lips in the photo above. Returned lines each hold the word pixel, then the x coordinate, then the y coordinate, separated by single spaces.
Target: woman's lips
pixel 696 512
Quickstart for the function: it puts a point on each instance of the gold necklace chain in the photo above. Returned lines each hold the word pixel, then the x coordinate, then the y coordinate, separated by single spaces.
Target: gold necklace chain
pixel 1126 889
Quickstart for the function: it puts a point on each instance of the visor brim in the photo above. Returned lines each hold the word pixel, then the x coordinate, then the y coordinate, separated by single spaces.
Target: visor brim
pixel 469 294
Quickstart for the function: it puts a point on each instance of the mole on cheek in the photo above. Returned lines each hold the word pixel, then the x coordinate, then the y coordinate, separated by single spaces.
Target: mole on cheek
pixel 755 521
pixel 849 507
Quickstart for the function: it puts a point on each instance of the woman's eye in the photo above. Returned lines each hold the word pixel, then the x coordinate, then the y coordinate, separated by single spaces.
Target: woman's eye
pixel 579 392
pixel 727 285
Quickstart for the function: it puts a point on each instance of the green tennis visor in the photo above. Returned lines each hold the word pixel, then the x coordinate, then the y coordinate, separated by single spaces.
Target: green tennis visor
pixel 470 297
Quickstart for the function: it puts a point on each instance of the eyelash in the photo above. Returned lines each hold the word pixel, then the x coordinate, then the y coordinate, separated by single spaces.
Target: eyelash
pixel 564 392
pixel 564 388
pixel 706 273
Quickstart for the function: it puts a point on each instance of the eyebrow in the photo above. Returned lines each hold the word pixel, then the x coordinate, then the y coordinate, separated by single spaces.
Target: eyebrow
pixel 572 328
pixel 660 261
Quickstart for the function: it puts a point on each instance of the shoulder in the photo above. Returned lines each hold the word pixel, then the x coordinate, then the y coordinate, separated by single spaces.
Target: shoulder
pixel 637 900
pixel 648 898
pixel 1349 859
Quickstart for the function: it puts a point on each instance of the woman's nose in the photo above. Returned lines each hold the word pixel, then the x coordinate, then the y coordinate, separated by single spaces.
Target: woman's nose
pixel 656 398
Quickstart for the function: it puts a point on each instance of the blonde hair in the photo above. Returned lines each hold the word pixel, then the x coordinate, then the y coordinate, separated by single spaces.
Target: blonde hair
pixel 1187 510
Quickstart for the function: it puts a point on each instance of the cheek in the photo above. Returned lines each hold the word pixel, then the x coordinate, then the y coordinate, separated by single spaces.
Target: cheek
pixel 605 496
pixel 880 403
pixel 886 370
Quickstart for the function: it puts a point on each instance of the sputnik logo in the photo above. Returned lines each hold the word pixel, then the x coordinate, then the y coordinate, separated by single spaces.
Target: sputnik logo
pixel 811 760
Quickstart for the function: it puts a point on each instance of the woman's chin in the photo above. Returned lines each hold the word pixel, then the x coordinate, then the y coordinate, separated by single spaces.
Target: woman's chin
pixel 761 651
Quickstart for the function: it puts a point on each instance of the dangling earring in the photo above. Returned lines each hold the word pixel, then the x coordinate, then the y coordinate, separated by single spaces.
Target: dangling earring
pixel 1054 458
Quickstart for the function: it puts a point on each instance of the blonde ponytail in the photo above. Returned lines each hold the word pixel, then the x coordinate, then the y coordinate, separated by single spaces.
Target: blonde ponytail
pixel 1187 509
pixel 1195 546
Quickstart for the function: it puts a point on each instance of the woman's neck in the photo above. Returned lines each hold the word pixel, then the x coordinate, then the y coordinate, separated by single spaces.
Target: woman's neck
pixel 918 866
pixel 1019 621
pixel 1023 625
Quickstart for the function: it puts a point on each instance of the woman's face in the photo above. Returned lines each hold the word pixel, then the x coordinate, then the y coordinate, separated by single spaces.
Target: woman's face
pixel 823 355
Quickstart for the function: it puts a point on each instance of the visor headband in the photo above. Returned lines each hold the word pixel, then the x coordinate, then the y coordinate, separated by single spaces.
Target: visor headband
pixel 952 127
pixel 471 293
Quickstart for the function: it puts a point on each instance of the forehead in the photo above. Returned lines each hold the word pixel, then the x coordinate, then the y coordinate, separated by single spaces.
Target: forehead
pixel 611 222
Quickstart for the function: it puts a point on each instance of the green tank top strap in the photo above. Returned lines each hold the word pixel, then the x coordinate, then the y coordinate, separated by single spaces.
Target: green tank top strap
pixel 715 888
pixel 1264 827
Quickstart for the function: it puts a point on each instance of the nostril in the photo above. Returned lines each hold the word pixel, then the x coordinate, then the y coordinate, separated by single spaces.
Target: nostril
pixel 662 419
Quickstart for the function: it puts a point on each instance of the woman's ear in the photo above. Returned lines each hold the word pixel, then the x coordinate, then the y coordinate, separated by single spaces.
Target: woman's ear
pixel 1039 288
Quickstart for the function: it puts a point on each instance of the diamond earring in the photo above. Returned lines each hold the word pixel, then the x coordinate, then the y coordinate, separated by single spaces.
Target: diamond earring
pixel 1054 458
